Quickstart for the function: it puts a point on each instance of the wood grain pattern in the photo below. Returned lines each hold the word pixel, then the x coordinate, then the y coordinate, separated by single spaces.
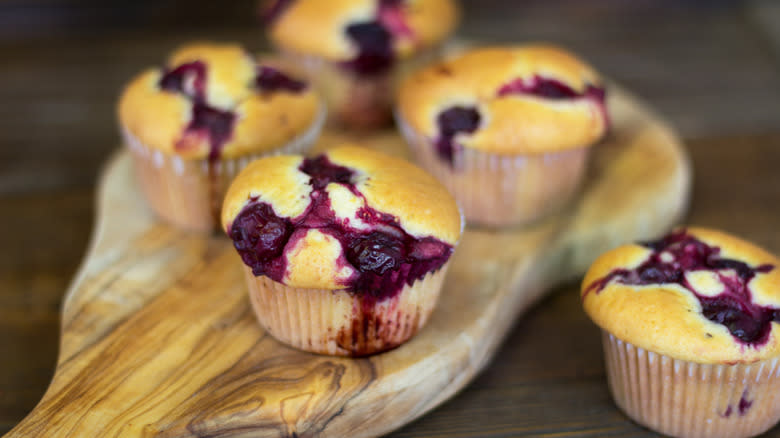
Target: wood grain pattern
pixel 158 338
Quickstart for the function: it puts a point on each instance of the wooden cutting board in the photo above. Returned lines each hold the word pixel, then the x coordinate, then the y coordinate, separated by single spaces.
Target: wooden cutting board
pixel 158 338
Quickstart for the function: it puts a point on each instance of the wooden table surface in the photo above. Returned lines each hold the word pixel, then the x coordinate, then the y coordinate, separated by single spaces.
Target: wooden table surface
pixel 713 71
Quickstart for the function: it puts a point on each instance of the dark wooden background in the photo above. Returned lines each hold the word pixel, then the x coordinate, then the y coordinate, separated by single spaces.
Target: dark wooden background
pixel 711 67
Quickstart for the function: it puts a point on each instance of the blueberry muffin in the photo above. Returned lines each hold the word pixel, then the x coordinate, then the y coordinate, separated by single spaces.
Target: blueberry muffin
pixel 356 50
pixel 344 253
pixel 691 331
pixel 193 123
pixel 507 130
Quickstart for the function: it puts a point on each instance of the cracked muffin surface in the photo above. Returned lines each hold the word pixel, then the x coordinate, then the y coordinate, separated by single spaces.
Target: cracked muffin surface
pixel 217 101
pixel 531 99
pixel 368 36
pixel 699 295
pixel 348 219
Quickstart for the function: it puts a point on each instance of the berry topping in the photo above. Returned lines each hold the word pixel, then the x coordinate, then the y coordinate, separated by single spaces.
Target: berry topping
pixel 323 172
pixel 270 79
pixel 549 89
pixel 679 254
pixel 215 124
pixel 188 79
pixel 383 255
pixel 451 122
pixel 553 89
pixel 377 253
pixel 374 39
pixel 375 51
pixel 260 235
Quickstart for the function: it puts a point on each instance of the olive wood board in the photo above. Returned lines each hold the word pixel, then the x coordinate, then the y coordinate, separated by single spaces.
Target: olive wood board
pixel 158 338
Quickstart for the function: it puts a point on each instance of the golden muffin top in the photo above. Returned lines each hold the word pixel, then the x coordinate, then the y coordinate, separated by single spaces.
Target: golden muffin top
pixel 351 218
pixel 215 100
pixel 342 30
pixel 529 99
pixel 698 295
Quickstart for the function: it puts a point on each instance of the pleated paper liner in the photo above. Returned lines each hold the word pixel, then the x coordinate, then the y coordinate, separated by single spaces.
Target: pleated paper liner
pixel 338 322
pixel 189 193
pixel 503 190
pixel 692 400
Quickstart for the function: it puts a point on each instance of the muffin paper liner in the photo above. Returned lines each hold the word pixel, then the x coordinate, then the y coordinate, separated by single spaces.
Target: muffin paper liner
pixel 353 100
pixel 189 193
pixel 338 322
pixel 503 190
pixel 692 400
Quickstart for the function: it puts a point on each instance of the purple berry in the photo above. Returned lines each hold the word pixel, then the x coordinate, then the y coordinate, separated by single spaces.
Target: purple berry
pixel 188 79
pixel 323 172
pixel 451 122
pixel 270 79
pixel 377 252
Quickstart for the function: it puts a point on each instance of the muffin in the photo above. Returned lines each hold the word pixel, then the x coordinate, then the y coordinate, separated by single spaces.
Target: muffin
pixel 691 334
pixel 507 130
pixel 356 50
pixel 344 253
pixel 193 123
